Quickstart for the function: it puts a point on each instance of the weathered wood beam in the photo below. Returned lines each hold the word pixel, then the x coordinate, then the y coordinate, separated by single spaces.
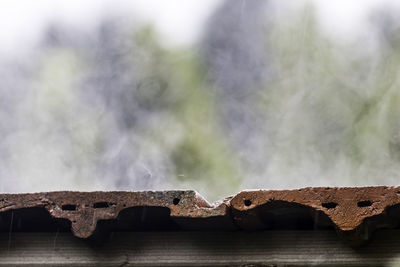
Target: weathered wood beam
pixel 267 248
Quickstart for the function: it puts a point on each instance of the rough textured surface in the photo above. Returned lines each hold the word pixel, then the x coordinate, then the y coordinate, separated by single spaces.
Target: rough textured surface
pixel 347 207
pixel 84 209
pixel 234 249
pixel 354 212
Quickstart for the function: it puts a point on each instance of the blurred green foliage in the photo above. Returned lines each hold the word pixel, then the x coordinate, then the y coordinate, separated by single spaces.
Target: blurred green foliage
pixel 201 158
pixel 171 84
pixel 336 105
pixel 331 114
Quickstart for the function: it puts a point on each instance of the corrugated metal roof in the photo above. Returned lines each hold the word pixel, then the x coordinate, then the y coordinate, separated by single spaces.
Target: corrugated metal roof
pixel 353 211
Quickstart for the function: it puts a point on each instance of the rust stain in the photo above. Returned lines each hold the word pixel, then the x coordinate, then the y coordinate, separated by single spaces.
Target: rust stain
pixel 85 209
pixel 348 209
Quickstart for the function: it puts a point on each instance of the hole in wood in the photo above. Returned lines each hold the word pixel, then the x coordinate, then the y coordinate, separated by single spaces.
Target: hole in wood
pixel 102 205
pixel 329 205
pixel 365 203
pixel 247 202
pixel 68 207
pixel 176 201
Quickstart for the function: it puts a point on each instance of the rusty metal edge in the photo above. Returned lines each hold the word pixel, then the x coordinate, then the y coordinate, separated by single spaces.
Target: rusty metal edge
pixel 347 207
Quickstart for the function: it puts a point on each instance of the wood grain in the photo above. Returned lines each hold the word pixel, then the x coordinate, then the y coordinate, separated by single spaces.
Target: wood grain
pixel 268 248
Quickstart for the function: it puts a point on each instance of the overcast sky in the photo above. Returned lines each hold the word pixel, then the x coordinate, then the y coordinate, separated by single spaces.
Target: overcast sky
pixel 179 21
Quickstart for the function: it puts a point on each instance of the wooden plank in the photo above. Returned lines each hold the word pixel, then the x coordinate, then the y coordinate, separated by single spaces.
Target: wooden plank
pixel 269 248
